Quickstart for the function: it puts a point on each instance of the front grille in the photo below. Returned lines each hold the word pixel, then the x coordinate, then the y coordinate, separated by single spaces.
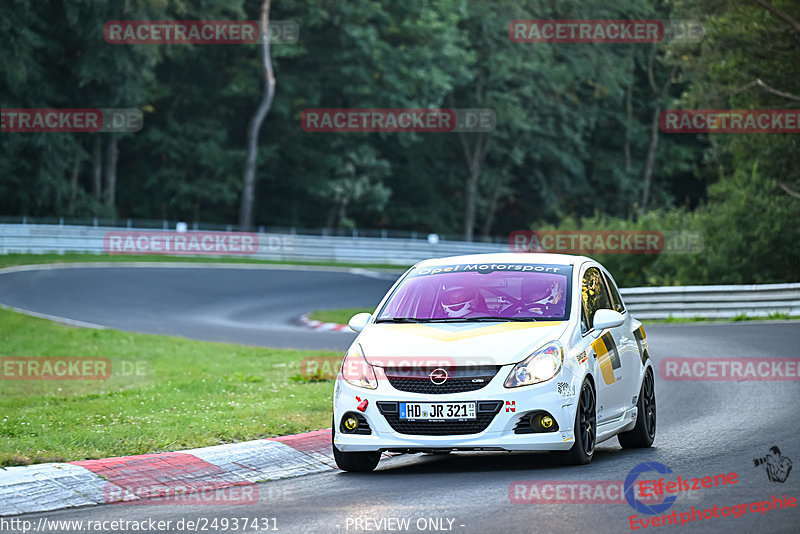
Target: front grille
pixel 486 410
pixel 460 380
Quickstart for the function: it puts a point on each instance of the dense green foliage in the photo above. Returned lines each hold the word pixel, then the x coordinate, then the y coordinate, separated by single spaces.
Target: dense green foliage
pixel 569 149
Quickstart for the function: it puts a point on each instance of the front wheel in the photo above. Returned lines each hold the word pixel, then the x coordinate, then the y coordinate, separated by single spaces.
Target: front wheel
pixel 356 462
pixel 643 434
pixel 585 428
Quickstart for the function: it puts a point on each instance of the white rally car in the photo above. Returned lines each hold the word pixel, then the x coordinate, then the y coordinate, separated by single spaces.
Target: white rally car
pixel 501 352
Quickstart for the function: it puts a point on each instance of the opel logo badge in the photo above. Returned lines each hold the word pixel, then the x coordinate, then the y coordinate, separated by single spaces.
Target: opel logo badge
pixel 438 376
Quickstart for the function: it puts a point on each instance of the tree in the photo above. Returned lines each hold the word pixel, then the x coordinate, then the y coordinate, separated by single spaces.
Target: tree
pixel 249 182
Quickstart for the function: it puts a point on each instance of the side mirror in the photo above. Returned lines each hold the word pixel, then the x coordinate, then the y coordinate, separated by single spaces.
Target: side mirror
pixel 607 319
pixel 359 321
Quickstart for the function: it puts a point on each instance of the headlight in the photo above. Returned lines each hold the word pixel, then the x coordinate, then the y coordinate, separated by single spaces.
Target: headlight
pixel 540 366
pixel 357 371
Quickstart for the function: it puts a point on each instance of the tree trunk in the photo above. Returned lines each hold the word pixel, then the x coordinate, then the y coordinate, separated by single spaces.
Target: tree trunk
pixel 474 157
pixel 629 114
pixel 789 191
pixel 97 167
pixel 331 220
pixel 111 171
pixel 647 175
pixel 73 185
pixel 496 187
pixel 470 193
pixel 249 182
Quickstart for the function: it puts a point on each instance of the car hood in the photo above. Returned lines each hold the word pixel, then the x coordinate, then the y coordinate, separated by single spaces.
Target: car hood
pixel 458 344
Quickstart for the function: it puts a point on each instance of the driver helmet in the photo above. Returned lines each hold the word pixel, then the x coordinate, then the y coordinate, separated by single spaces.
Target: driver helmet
pixel 534 291
pixel 460 301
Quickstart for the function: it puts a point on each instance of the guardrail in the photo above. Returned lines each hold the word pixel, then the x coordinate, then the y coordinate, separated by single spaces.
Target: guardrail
pixel 643 302
pixel 712 301
pixel 60 239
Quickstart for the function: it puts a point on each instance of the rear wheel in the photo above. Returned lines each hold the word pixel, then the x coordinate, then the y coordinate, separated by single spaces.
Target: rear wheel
pixel 585 428
pixel 356 462
pixel 643 434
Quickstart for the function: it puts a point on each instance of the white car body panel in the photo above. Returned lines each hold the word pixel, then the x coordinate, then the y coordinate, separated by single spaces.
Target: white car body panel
pixel 464 344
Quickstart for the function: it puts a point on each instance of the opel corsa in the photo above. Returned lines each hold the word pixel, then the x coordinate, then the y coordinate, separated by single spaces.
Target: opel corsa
pixel 495 352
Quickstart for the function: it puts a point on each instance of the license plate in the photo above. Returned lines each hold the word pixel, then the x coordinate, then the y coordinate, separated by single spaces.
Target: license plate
pixel 437 411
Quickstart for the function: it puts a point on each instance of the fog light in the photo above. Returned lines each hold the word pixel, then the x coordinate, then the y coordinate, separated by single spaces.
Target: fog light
pixel 351 423
pixel 536 422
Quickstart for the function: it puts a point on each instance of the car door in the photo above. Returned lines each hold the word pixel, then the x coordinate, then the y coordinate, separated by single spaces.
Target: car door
pixel 609 376
pixel 630 356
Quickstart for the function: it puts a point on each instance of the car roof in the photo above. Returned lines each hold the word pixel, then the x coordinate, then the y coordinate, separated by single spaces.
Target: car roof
pixel 507 257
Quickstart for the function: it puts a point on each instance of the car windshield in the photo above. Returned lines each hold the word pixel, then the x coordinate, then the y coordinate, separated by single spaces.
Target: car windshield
pixel 481 292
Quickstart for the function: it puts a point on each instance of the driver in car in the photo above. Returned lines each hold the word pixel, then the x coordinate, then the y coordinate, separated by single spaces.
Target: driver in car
pixel 460 302
pixel 538 297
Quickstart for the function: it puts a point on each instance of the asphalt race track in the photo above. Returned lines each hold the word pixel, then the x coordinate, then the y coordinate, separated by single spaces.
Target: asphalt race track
pixel 247 305
pixel 705 428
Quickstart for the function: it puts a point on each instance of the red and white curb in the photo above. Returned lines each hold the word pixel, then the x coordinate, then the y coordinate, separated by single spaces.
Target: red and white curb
pixel 223 474
pixel 319 325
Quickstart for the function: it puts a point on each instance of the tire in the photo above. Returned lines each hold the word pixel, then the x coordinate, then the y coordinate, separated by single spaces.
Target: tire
pixel 585 428
pixel 644 433
pixel 354 462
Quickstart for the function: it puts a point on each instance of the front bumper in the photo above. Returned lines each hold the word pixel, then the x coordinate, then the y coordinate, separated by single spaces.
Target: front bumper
pixel 556 396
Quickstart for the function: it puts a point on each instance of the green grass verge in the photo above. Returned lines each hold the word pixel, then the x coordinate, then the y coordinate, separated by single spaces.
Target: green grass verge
pixel 10 260
pixel 187 394
pixel 341 316
pixel 743 317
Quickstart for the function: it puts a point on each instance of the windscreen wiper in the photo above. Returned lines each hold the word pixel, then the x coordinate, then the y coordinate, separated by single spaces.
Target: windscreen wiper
pixel 496 319
pixel 488 319
pixel 400 320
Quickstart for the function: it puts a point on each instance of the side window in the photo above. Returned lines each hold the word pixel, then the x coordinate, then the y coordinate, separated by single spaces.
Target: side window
pixel 616 300
pixel 595 294
pixel 584 322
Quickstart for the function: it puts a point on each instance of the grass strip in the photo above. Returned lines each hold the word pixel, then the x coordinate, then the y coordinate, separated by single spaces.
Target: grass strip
pixel 164 393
